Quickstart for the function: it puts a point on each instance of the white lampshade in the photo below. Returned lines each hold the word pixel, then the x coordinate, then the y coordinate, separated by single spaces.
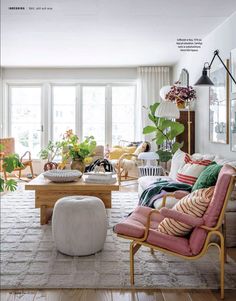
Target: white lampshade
pixel 163 91
pixel 168 109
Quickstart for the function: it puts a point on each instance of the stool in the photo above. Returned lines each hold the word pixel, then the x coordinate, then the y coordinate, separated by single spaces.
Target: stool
pixel 79 225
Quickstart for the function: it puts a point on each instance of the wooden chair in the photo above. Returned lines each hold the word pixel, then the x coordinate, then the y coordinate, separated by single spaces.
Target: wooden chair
pixel 126 166
pixel 141 227
pixel 9 148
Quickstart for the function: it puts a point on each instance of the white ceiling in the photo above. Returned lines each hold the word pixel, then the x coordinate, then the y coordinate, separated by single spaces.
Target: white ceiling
pixel 104 33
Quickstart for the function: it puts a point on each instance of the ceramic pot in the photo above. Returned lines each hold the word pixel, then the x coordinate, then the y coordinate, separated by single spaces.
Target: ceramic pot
pixel 78 164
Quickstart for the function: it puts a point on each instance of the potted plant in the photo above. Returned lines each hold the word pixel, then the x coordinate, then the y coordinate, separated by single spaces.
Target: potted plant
pixel 165 132
pixel 49 153
pixel 181 95
pixel 9 163
pixel 76 150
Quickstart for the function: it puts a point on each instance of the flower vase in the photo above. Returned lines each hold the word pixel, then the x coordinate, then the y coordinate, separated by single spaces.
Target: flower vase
pixel 181 105
pixel 78 164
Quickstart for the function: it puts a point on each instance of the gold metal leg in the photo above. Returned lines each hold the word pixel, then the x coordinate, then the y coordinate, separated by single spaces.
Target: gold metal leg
pixel 152 251
pixel 131 255
pixel 222 265
pixel 19 173
pixel 134 246
pixel 224 234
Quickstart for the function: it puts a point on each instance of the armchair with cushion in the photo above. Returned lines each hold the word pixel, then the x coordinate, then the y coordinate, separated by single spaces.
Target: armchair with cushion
pixel 142 227
pixel 9 148
pixel 125 161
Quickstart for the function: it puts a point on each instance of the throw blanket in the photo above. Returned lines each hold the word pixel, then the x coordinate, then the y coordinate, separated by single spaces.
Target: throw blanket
pixel 158 189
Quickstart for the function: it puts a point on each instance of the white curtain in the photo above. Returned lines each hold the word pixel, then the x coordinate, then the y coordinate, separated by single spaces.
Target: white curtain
pixel 150 81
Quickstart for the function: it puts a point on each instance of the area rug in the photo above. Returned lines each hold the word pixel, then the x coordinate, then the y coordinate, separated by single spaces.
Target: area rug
pixel 29 258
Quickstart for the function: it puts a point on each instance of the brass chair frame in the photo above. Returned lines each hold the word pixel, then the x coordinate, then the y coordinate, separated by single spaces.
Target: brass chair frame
pixel 136 243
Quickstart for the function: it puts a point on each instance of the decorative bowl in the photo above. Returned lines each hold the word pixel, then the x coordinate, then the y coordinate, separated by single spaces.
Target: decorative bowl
pixel 62 176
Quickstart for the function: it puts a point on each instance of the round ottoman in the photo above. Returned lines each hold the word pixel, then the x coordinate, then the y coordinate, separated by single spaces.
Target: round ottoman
pixel 79 225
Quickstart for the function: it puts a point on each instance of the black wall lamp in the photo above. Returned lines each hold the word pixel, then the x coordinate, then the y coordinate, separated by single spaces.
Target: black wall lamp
pixel 204 80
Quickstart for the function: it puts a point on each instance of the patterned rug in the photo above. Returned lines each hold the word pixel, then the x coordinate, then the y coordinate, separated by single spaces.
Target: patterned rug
pixel 29 258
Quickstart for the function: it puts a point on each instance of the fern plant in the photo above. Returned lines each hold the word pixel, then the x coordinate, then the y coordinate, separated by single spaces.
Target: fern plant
pixel 9 163
pixel 165 131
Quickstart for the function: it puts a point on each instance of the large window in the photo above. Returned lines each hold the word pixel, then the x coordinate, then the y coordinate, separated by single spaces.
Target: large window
pixel 25 118
pixel 123 112
pixel 93 99
pixel 64 98
pixel 39 113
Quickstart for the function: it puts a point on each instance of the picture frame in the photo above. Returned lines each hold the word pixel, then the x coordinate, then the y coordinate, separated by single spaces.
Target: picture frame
pixel 233 71
pixel 219 105
pixel 233 125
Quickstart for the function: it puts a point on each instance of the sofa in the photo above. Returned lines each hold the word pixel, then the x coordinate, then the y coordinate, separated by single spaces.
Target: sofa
pixel 176 164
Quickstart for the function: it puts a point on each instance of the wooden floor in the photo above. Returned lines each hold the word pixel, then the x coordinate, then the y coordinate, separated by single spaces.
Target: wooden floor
pixel 119 295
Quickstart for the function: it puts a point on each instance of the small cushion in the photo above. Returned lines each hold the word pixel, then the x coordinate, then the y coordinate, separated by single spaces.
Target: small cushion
pixel 170 202
pixel 191 170
pixel 116 152
pixel 176 163
pixel 208 176
pixel 195 204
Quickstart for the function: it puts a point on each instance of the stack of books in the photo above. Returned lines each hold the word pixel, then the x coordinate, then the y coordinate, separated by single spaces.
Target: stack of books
pixel 100 177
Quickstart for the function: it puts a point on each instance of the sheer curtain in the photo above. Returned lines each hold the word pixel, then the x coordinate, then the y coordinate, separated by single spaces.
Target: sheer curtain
pixel 150 81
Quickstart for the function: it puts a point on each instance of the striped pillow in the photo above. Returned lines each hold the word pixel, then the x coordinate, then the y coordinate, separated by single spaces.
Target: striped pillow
pixel 191 170
pixel 195 203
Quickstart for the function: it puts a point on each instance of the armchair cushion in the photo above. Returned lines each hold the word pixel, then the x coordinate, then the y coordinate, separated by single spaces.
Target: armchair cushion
pixel 195 204
pixel 182 217
pixel 116 152
pixel 134 225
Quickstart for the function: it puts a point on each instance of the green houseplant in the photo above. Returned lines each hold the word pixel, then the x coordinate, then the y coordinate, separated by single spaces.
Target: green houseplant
pixel 78 151
pixel 165 131
pixel 9 163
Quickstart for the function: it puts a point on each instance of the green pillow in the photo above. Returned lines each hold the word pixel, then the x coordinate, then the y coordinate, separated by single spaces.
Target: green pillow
pixel 208 176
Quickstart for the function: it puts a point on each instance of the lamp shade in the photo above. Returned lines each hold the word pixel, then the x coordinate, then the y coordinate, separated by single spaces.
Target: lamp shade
pixel 204 80
pixel 163 91
pixel 168 109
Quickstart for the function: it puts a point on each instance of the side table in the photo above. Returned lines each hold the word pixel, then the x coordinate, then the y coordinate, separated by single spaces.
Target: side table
pixel 149 170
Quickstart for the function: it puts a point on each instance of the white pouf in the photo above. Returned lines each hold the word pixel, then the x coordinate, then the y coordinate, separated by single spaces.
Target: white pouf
pixel 79 225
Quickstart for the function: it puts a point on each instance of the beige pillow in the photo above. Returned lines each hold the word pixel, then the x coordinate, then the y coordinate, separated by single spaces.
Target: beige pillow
pixel 195 204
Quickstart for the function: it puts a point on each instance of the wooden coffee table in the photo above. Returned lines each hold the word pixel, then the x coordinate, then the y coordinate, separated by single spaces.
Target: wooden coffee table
pixel 47 193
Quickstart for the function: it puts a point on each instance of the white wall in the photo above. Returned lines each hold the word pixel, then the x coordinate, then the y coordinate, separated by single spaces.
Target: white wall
pixel 224 39
pixel 70 73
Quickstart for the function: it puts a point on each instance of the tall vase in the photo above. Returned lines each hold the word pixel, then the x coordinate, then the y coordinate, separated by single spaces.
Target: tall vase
pixel 78 164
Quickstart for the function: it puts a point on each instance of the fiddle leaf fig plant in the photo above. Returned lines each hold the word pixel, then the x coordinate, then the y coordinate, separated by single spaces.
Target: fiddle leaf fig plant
pixel 165 131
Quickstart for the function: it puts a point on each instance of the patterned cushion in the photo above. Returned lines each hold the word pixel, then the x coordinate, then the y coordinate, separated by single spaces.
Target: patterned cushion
pixel 195 203
pixel 191 170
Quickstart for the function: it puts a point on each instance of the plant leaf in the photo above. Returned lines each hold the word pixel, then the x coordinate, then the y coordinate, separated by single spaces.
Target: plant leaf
pixel 11 185
pixel 149 129
pixel 164 155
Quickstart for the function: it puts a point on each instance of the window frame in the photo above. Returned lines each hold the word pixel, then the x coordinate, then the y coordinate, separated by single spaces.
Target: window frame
pixel 47 105
pixel 7 109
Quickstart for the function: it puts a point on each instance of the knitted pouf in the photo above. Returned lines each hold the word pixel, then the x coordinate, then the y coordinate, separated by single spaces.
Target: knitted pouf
pixel 79 225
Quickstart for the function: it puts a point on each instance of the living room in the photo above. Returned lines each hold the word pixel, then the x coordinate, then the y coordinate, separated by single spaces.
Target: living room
pixel 125 115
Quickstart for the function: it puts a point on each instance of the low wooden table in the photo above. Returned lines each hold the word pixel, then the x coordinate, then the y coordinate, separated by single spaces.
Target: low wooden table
pixel 47 193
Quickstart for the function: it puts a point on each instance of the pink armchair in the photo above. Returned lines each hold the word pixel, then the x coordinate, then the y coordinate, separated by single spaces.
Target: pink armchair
pixel 141 227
